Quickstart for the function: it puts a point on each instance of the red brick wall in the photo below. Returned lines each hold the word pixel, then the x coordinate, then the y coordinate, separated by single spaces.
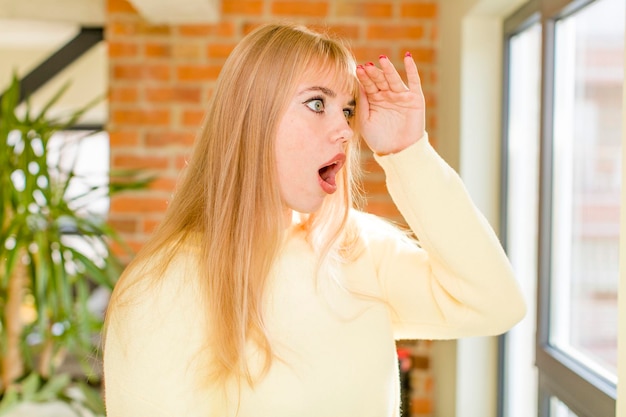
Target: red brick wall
pixel 162 76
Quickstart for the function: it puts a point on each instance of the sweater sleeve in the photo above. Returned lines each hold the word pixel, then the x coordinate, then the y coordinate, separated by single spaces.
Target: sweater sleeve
pixel 458 281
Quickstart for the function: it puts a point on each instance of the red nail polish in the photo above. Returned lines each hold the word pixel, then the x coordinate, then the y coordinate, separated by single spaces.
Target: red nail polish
pixel 370 63
pixel 382 57
pixel 360 66
pixel 408 54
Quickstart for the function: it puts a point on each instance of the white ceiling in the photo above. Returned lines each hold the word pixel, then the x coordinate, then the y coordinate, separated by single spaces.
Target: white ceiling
pixel 32 30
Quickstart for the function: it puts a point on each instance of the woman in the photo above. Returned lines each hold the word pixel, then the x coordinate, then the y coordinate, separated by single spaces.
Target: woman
pixel 264 292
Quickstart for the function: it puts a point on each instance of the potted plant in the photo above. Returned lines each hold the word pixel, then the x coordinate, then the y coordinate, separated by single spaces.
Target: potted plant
pixel 46 281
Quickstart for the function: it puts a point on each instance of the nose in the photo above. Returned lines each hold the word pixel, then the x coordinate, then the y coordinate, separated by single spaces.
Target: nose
pixel 341 129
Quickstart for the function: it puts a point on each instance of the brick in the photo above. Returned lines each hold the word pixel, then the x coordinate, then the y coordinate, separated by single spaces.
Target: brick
pixel 138 204
pixel 150 225
pixel 165 138
pixel 434 33
pixel 149 29
pixel 163 184
pixel 181 162
pixel 375 188
pixel 157 72
pixel 431 100
pixel 120 29
pixel 370 53
pixel 118 49
pixel 421 406
pixel 384 208
pixel 123 138
pixel 197 72
pixel 135 72
pixel 127 71
pixel 391 32
pixel 140 117
pixel 186 51
pixel 193 118
pixel 219 50
pixel 420 54
pixel 124 225
pixel 370 166
pixel 157 50
pixel 429 384
pixel 173 94
pixel 364 9
pixel 122 252
pixel 242 7
pixel 159 94
pixel 250 26
pixel 136 27
pixel 209 94
pixel 121 94
pixel 134 161
pixel 300 8
pixel 419 10
pixel 223 29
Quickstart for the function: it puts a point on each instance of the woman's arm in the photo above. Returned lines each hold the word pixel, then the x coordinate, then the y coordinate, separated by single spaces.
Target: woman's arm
pixel 459 281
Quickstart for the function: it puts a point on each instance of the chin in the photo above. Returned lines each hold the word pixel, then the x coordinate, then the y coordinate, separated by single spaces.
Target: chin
pixel 309 208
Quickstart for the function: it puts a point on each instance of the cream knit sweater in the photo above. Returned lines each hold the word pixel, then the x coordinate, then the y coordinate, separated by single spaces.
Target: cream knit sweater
pixel 337 349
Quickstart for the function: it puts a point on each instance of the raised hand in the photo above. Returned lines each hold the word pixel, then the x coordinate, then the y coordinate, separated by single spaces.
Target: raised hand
pixel 391 115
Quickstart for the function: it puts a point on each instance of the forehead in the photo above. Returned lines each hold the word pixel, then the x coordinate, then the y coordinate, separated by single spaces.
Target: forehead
pixel 339 79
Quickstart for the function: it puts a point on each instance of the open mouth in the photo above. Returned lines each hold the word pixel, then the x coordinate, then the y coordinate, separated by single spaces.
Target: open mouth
pixel 328 173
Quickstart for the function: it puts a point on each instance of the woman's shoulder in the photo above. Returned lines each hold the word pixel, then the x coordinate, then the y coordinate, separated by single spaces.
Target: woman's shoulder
pixel 157 280
pixel 375 229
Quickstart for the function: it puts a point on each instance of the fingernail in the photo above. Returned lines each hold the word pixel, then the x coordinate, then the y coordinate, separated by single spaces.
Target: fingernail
pixel 360 66
pixel 382 57
pixel 370 63
pixel 408 54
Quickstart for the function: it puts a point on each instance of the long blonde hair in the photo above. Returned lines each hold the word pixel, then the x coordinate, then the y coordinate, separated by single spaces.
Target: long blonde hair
pixel 228 198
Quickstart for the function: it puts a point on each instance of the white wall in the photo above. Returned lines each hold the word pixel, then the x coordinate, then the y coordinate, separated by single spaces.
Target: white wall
pixel 471 109
pixel 621 360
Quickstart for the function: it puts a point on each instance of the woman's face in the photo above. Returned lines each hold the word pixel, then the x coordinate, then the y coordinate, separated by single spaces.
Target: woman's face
pixel 311 141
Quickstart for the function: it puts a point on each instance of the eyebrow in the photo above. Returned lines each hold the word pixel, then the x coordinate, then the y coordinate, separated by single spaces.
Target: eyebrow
pixel 327 91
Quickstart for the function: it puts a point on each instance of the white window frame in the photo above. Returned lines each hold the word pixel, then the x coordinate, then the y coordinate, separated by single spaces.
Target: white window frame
pixel 583 391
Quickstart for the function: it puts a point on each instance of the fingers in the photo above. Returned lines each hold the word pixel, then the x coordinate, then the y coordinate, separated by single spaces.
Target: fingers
pixel 369 86
pixel 387 78
pixel 391 75
pixel 412 75
pixel 376 77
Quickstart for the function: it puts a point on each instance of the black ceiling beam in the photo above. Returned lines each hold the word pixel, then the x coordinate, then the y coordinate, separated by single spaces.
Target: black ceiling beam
pixel 59 60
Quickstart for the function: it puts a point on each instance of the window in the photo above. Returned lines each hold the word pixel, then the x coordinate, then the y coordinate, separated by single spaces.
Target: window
pixel 586 185
pixel 567 250
pixel 521 153
pixel 558 409
pixel 86 152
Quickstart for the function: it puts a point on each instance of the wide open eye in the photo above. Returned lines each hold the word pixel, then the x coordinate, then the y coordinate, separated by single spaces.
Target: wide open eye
pixel 315 104
pixel 348 112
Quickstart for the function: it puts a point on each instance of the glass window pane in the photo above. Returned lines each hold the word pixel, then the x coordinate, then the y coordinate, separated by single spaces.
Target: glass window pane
pixel 558 409
pixel 87 154
pixel 586 184
pixel 522 194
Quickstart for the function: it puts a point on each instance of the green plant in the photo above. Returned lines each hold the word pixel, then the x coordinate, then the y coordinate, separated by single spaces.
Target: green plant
pixel 41 272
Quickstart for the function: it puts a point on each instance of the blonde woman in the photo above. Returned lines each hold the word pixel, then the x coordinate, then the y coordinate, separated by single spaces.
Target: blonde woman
pixel 264 292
